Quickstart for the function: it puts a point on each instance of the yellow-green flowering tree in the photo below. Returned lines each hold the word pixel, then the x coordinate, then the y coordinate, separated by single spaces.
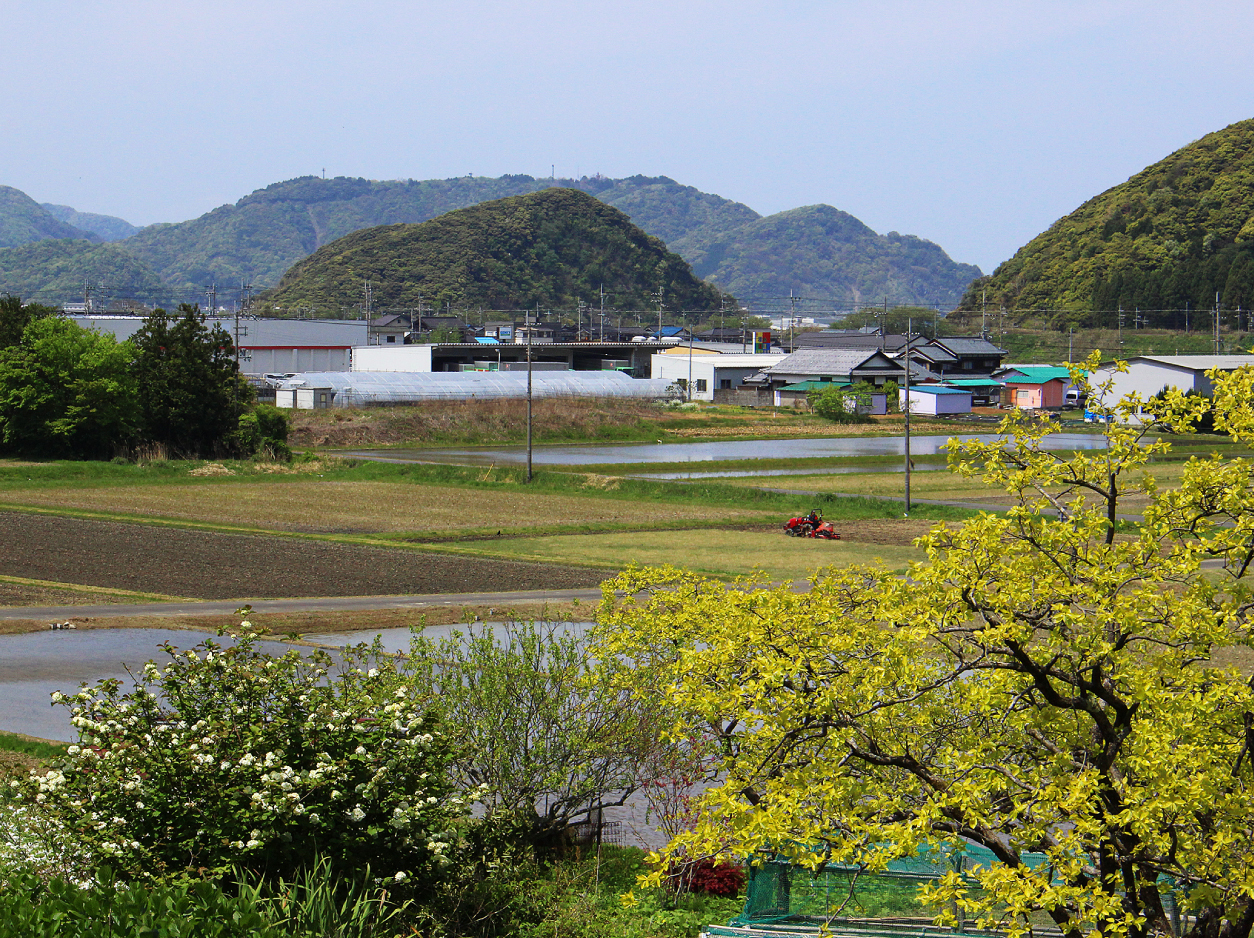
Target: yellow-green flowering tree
pixel 1045 681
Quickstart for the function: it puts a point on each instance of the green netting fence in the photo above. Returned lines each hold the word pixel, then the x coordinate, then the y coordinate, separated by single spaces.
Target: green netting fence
pixel 781 892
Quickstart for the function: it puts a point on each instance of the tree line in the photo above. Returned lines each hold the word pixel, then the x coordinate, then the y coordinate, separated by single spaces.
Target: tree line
pixel 72 393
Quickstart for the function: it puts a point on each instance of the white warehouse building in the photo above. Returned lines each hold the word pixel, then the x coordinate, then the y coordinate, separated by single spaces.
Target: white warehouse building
pixel 1149 374
pixel 710 373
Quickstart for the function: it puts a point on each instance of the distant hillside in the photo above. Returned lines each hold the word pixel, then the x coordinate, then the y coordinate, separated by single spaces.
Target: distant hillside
pixel 264 233
pixel 53 271
pixel 1176 233
pixel 23 220
pixel 553 248
pixel 107 227
pixel 831 256
pixel 821 251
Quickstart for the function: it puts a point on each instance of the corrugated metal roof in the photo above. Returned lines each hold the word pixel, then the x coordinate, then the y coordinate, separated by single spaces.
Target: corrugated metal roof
pixel 1200 362
pixel 255 333
pixel 935 389
pixel 1037 375
pixel 819 361
pixel 814 385
pixel 359 388
pixel 974 383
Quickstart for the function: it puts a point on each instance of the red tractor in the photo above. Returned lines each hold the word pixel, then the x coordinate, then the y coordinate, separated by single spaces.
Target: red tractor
pixel 811 525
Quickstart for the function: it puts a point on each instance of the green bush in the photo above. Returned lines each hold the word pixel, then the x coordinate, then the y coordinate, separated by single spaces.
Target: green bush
pixel 232 757
pixel 33 908
pixel 262 431
pixel 839 405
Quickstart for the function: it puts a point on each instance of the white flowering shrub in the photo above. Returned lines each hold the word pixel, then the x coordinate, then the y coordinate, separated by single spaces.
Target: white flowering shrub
pixel 229 756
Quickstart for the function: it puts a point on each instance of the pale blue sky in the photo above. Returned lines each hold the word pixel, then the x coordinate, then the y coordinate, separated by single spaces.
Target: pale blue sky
pixel 974 124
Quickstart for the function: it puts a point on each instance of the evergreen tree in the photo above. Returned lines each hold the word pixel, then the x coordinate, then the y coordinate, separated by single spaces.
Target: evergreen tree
pixel 189 393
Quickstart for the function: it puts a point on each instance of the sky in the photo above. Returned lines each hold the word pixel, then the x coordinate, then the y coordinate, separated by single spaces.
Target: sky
pixel 972 124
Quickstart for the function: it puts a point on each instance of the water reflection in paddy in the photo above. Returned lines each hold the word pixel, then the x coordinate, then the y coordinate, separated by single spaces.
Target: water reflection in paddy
pixel 34 664
pixel 583 455
pixel 394 640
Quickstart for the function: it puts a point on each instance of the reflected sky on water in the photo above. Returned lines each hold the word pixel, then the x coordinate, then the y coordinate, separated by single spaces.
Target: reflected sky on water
pixel 583 455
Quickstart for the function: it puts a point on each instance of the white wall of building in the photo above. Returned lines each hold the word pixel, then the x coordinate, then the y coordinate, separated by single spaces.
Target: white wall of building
pixel 392 358
pixel 280 361
pixel 925 402
pixel 1148 376
pixel 709 371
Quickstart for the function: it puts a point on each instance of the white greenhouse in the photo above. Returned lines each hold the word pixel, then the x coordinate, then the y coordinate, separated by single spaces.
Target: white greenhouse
pixel 367 388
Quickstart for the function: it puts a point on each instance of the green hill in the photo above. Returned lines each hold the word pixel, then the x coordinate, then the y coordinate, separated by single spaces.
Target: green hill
pixel 263 234
pixel 53 271
pixel 821 251
pixel 1175 234
pixel 23 220
pixel 553 248
pixel 106 227
pixel 829 255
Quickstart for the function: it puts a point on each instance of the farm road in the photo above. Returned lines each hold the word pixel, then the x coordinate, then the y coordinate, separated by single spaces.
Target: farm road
pixel 308 604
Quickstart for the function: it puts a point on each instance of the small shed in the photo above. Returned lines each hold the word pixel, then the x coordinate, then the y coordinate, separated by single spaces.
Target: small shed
pixel 1033 388
pixel 934 399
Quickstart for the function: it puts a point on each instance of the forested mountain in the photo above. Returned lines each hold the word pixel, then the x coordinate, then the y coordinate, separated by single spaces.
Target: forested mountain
pixel 263 234
pixel 54 271
pixel 1172 236
pixel 23 220
pixel 821 251
pixel 552 248
pixel 830 256
pixel 107 227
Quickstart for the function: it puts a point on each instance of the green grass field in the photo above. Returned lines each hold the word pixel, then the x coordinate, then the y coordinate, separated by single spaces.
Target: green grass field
pixel 714 552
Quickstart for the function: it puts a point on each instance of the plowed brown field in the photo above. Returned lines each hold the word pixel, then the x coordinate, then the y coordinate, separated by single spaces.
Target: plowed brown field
pixel 210 565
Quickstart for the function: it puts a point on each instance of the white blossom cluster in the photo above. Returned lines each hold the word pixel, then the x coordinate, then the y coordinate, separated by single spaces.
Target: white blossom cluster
pixel 228 753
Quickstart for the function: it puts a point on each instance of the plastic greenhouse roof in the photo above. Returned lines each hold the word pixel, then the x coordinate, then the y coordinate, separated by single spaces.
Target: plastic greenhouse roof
pixel 357 388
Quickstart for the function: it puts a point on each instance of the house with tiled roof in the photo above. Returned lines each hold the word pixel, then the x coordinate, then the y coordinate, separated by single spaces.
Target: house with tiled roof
pixel 836 364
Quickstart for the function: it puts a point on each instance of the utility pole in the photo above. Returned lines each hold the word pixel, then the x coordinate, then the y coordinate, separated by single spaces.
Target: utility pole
pixel 1070 340
pixel 906 408
pixel 602 289
pixel 1121 325
pixel 1216 322
pixel 530 329
pixel 366 308
pixel 212 293
pixel 690 366
pixel 984 313
pixel 792 320
pixel 660 290
pixel 244 304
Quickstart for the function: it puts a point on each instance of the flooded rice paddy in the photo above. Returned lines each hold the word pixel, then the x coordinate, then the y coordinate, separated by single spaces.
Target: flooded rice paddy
pixel 704 451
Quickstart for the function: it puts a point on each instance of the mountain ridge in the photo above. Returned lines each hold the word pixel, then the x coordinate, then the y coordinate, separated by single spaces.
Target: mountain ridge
pixel 550 249
pixel 262 235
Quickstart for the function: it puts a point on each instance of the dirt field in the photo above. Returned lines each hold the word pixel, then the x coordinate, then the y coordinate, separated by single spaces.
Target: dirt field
pixel 207 565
